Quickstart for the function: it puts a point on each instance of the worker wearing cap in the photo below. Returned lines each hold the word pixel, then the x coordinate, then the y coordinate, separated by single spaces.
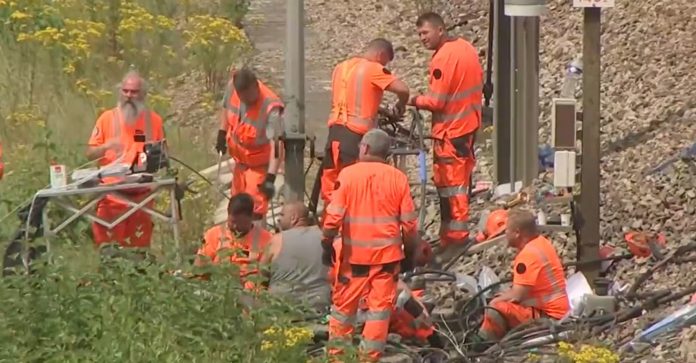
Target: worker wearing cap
pixel 372 208
pixel 358 85
pixel 250 129
pixel 119 136
pixel 454 98
pixel 538 284
pixel 244 241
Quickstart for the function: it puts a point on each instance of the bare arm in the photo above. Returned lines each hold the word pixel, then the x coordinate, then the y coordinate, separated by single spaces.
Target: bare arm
pixel 516 294
pixel 274 130
pixel 400 89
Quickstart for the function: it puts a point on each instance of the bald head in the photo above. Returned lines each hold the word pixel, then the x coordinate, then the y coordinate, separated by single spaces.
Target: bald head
pixel 380 50
pixel 521 227
pixel 294 214
pixel 375 143
pixel 132 93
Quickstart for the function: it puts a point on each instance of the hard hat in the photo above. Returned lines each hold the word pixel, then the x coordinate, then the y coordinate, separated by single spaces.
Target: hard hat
pixel 638 243
pixel 495 225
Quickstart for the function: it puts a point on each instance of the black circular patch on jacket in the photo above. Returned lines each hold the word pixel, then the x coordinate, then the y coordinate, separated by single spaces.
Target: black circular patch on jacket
pixel 521 268
pixel 437 73
pixel 337 185
pixel 386 71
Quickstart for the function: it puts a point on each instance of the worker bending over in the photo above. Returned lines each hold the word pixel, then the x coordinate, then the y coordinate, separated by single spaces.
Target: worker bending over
pixel 120 135
pixel 358 85
pixel 251 126
pixel 454 98
pixel 538 283
pixel 295 269
pixel 244 240
pixel 372 207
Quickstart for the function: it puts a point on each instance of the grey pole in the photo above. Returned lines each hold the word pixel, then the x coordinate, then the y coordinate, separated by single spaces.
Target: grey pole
pixel 294 101
pixel 501 94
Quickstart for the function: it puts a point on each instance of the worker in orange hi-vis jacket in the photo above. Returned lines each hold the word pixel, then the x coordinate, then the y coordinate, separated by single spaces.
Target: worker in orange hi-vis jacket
pixel 372 209
pixel 538 282
pixel 245 241
pixel 357 85
pixel 454 98
pixel 250 129
pixel 120 134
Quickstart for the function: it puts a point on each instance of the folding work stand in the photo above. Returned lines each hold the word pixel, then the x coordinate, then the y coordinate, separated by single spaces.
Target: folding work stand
pixel 65 198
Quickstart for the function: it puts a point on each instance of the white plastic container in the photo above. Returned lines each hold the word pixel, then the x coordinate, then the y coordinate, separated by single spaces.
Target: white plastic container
pixel 59 176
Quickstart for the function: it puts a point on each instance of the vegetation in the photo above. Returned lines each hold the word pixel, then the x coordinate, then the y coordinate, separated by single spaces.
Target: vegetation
pixel 60 62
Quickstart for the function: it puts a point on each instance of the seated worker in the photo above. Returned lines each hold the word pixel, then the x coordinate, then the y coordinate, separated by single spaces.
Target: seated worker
pixel 245 240
pixel 538 284
pixel 293 258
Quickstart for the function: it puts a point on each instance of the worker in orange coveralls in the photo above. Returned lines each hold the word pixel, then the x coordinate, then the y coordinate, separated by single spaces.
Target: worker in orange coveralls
pixel 454 98
pixel 119 136
pixel 251 125
pixel 358 85
pixel 538 285
pixel 372 208
pixel 2 164
pixel 245 241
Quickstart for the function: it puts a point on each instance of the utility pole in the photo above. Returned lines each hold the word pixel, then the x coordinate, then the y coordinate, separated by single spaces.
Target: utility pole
pixel 501 94
pixel 294 101
pixel 588 245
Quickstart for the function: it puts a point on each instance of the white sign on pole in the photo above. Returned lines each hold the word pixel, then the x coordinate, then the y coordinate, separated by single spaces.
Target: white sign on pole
pixel 593 3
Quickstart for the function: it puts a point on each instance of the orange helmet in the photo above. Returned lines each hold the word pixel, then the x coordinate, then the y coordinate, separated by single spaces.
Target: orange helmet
pixel 638 243
pixel 495 225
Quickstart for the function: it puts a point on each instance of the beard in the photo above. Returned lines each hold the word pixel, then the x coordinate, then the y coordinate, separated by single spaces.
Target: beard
pixel 131 109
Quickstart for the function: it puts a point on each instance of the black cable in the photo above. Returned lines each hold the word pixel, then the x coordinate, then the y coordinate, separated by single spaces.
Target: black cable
pixel 199 175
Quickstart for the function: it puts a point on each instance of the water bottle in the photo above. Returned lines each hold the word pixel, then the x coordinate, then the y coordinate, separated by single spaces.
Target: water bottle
pixel 572 77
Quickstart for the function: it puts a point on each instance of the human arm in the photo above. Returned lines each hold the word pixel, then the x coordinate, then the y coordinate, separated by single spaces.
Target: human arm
pixel 333 220
pixel 516 294
pixel 269 255
pixel 98 144
pixel 441 78
pixel 274 132
pixel 385 80
pixel 525 275
pixel 206 253
pixel 408 220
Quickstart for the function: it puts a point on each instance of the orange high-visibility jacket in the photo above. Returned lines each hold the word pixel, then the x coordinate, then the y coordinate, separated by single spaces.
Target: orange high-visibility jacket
pixel 537 265
pixel 373 206
pixel 244 251
pixel 246 127
pixel 358 85
pixel 455 92
pixel 111 124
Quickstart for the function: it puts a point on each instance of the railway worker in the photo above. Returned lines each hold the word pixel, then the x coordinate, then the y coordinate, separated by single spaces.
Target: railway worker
pixel 538 285
pixel 119 136
pixel 373 210
pixel 454 98
pixel 244 240
pixel 358 85
pixel 250 128
pixel 2 164
pixel 295 268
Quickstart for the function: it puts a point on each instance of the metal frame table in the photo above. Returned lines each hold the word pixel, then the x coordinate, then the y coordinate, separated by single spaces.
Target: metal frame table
pixel 64 198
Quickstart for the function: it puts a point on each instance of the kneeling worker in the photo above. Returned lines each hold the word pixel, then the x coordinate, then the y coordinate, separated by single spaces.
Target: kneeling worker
pixel 372 207
pixel 245 240
pixel 293 258
pixel 538 285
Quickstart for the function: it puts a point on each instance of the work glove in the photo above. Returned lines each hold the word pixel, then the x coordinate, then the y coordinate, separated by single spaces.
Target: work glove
pixel 328 255
pixel 221 144
pixel 267 188
pixel 398 110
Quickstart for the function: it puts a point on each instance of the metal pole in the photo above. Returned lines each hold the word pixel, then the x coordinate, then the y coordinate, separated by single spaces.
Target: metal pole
pixel 588 246
pixel 529 149
pixel 295 103
pixel 501 94
pixel 514 102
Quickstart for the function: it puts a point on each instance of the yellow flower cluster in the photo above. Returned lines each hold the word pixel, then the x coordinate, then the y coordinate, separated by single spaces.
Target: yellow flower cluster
pixel 26 115
pixel 206 31
pixel 135 18
pixel 77 36
pixel 587 354
pixel 285 337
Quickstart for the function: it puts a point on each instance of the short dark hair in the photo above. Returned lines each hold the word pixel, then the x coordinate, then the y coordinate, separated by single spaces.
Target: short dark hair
pixel 381 44
pixel 241 204
pixel 430 17
pixel 244 79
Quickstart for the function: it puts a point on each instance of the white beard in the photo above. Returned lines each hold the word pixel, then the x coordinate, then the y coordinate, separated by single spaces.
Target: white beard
pixel 130 110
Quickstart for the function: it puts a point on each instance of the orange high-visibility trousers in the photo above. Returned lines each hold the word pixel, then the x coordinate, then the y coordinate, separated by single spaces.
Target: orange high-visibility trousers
pixel 134 231
pixel 503 316
pixel 453 163
pixel 342 149
pixel 247 180
pixel 378 284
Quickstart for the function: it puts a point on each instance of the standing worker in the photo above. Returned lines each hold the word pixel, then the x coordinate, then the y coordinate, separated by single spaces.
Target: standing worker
pixel 538 282
pixel 294 261
pixel 372 208
pixel 454 98
pixel 251 126
pixel 245 241
pixel 358 85
pixel 120 134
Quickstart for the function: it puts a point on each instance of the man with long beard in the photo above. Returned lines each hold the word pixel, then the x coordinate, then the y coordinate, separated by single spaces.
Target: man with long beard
pixel 120 135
